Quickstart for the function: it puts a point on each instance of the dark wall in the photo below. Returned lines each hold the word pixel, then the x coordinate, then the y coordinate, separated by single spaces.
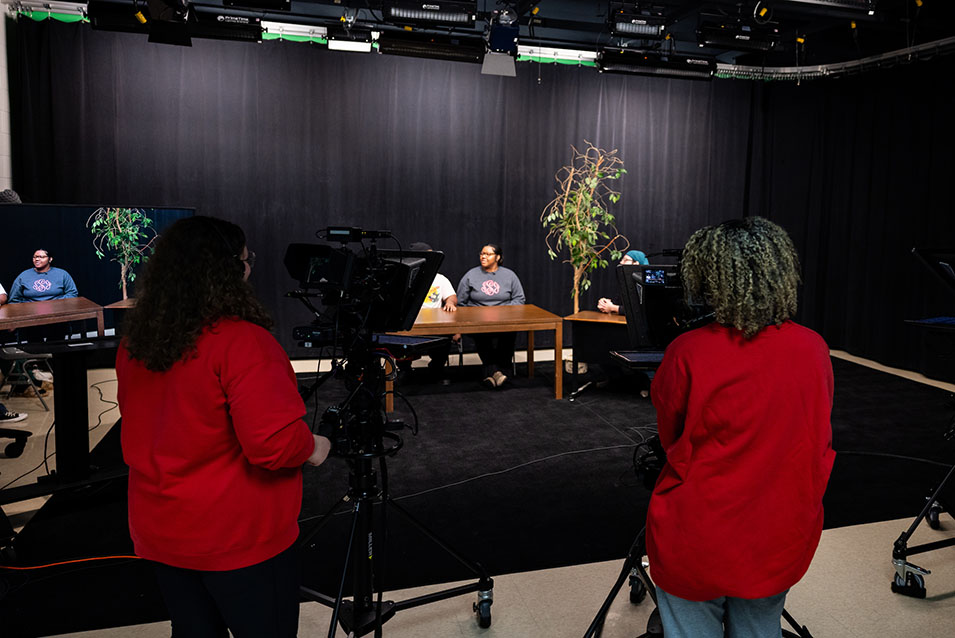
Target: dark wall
pixel 285 139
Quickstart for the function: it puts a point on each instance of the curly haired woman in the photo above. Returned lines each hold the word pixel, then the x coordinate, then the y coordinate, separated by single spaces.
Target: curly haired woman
pixel 743 409
pixel 213 435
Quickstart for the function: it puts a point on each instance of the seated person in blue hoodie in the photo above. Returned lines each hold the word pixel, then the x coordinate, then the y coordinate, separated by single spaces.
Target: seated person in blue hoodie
pixel 42 282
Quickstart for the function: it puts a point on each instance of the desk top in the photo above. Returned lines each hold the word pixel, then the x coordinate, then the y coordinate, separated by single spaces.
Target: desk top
pixel 122 304
pixel 484 319
pixel 16 315
pixel 596 317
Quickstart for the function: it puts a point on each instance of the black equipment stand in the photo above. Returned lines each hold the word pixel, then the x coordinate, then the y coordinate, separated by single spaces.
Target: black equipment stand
pixel 909 579
pixel 370 438
pixel 640 584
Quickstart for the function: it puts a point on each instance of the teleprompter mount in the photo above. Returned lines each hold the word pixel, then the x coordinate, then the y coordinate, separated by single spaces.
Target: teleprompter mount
pixel 365 292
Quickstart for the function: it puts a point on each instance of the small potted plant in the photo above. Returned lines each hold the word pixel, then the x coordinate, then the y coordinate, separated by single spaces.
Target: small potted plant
pixel 127 234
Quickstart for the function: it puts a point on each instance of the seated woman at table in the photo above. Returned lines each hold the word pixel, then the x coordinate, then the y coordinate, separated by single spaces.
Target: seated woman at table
pixel 491 284
pixel 604 304
pixel 42 282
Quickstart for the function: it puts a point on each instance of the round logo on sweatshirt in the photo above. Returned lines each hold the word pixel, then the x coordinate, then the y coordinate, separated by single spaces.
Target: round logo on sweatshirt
pixel 42 285
pixel 490 287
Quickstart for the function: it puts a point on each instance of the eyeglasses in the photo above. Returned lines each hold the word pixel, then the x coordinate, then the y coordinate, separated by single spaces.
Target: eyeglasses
pixel 483 254
pixel 249 260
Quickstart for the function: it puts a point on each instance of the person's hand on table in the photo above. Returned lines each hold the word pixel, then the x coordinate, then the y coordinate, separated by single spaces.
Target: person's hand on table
pixel 450 307
pixel 605 305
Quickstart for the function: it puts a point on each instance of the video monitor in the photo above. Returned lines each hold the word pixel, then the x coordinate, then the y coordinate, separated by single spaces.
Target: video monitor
pixel 653 303
pixel 379 290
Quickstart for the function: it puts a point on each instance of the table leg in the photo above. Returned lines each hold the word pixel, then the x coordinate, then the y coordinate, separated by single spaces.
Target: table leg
pixel 389 388
pixel 100 325
pixel 530 354
pixel 558 361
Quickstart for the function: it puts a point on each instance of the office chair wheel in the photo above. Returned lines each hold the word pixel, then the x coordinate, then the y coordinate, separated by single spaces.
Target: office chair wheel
pixel 913 585
pixel 483 611
pixel 15 449
pixel 638 591
pixel 933 516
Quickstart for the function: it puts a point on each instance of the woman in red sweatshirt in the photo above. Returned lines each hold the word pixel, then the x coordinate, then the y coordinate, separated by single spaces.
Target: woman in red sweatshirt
pixel 743 408
pixel 213 434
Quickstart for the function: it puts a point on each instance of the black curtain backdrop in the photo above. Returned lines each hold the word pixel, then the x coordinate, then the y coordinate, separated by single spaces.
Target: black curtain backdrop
pixel 285 139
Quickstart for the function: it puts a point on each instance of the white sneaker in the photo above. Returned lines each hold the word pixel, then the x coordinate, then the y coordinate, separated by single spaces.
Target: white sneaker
pixel 12 417
pixel 499 378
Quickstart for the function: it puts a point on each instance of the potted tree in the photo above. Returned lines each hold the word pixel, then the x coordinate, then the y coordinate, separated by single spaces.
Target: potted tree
pixel 126 233
pixel 578 219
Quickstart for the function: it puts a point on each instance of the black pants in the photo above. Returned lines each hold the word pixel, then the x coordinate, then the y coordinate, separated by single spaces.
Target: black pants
pixel 259 601
pixel 496 350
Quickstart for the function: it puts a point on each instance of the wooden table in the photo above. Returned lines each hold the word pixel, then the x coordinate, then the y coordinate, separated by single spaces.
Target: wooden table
pixel 482 319
pixel 594 335
pixel 41 313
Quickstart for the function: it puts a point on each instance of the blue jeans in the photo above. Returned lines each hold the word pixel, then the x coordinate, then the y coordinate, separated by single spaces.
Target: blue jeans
pixel 742 618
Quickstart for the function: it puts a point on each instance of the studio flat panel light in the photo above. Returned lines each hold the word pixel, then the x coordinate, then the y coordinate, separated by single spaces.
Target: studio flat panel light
pixel 459 14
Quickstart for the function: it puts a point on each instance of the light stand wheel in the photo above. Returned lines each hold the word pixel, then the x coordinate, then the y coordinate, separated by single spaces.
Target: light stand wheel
pixel 932 517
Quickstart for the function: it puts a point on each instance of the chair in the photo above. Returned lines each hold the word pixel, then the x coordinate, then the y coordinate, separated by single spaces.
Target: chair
pixel 19 373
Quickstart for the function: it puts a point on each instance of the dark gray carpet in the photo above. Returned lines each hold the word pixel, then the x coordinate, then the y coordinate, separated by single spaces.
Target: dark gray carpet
pixel 512 478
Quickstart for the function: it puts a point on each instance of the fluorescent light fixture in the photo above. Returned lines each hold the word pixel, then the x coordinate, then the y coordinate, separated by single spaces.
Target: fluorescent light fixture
pixel 630 19
pixel 349 45
pixel 287 29
pixel 552 53
pixel 65 8
pixel 355 42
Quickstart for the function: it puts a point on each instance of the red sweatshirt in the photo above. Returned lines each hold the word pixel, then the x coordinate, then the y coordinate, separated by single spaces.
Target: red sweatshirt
pixel 214 447
pixel 737 510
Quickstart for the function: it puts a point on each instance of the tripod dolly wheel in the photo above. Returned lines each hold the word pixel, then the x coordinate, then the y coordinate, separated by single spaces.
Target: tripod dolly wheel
pixel 638 590
pixel 933 515
pixel 483 610
pixel 912 585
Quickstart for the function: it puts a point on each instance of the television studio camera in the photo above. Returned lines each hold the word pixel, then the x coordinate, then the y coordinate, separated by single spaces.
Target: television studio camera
pixel 367 293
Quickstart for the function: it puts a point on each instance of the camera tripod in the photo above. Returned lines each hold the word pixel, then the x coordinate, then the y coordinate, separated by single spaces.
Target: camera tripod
pixel 635 572
pixel 360 435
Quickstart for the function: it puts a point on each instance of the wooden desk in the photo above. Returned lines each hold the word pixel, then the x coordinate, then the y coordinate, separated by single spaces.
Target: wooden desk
pixel 594 335
pixel 122 304
pixel 41 313
pixel 481 319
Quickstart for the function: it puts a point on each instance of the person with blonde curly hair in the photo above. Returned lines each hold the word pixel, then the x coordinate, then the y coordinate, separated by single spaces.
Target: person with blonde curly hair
pixel 213 434
pixel 743 410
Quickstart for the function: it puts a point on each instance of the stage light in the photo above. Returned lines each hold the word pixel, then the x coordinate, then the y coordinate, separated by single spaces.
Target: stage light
pixel 737 37
pixel 656 64
pixel 628 19
pixel 436 47
pixel 451 13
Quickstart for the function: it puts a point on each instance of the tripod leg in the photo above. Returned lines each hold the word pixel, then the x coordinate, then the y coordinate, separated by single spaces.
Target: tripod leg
pixel 633 558
pixel 801 631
